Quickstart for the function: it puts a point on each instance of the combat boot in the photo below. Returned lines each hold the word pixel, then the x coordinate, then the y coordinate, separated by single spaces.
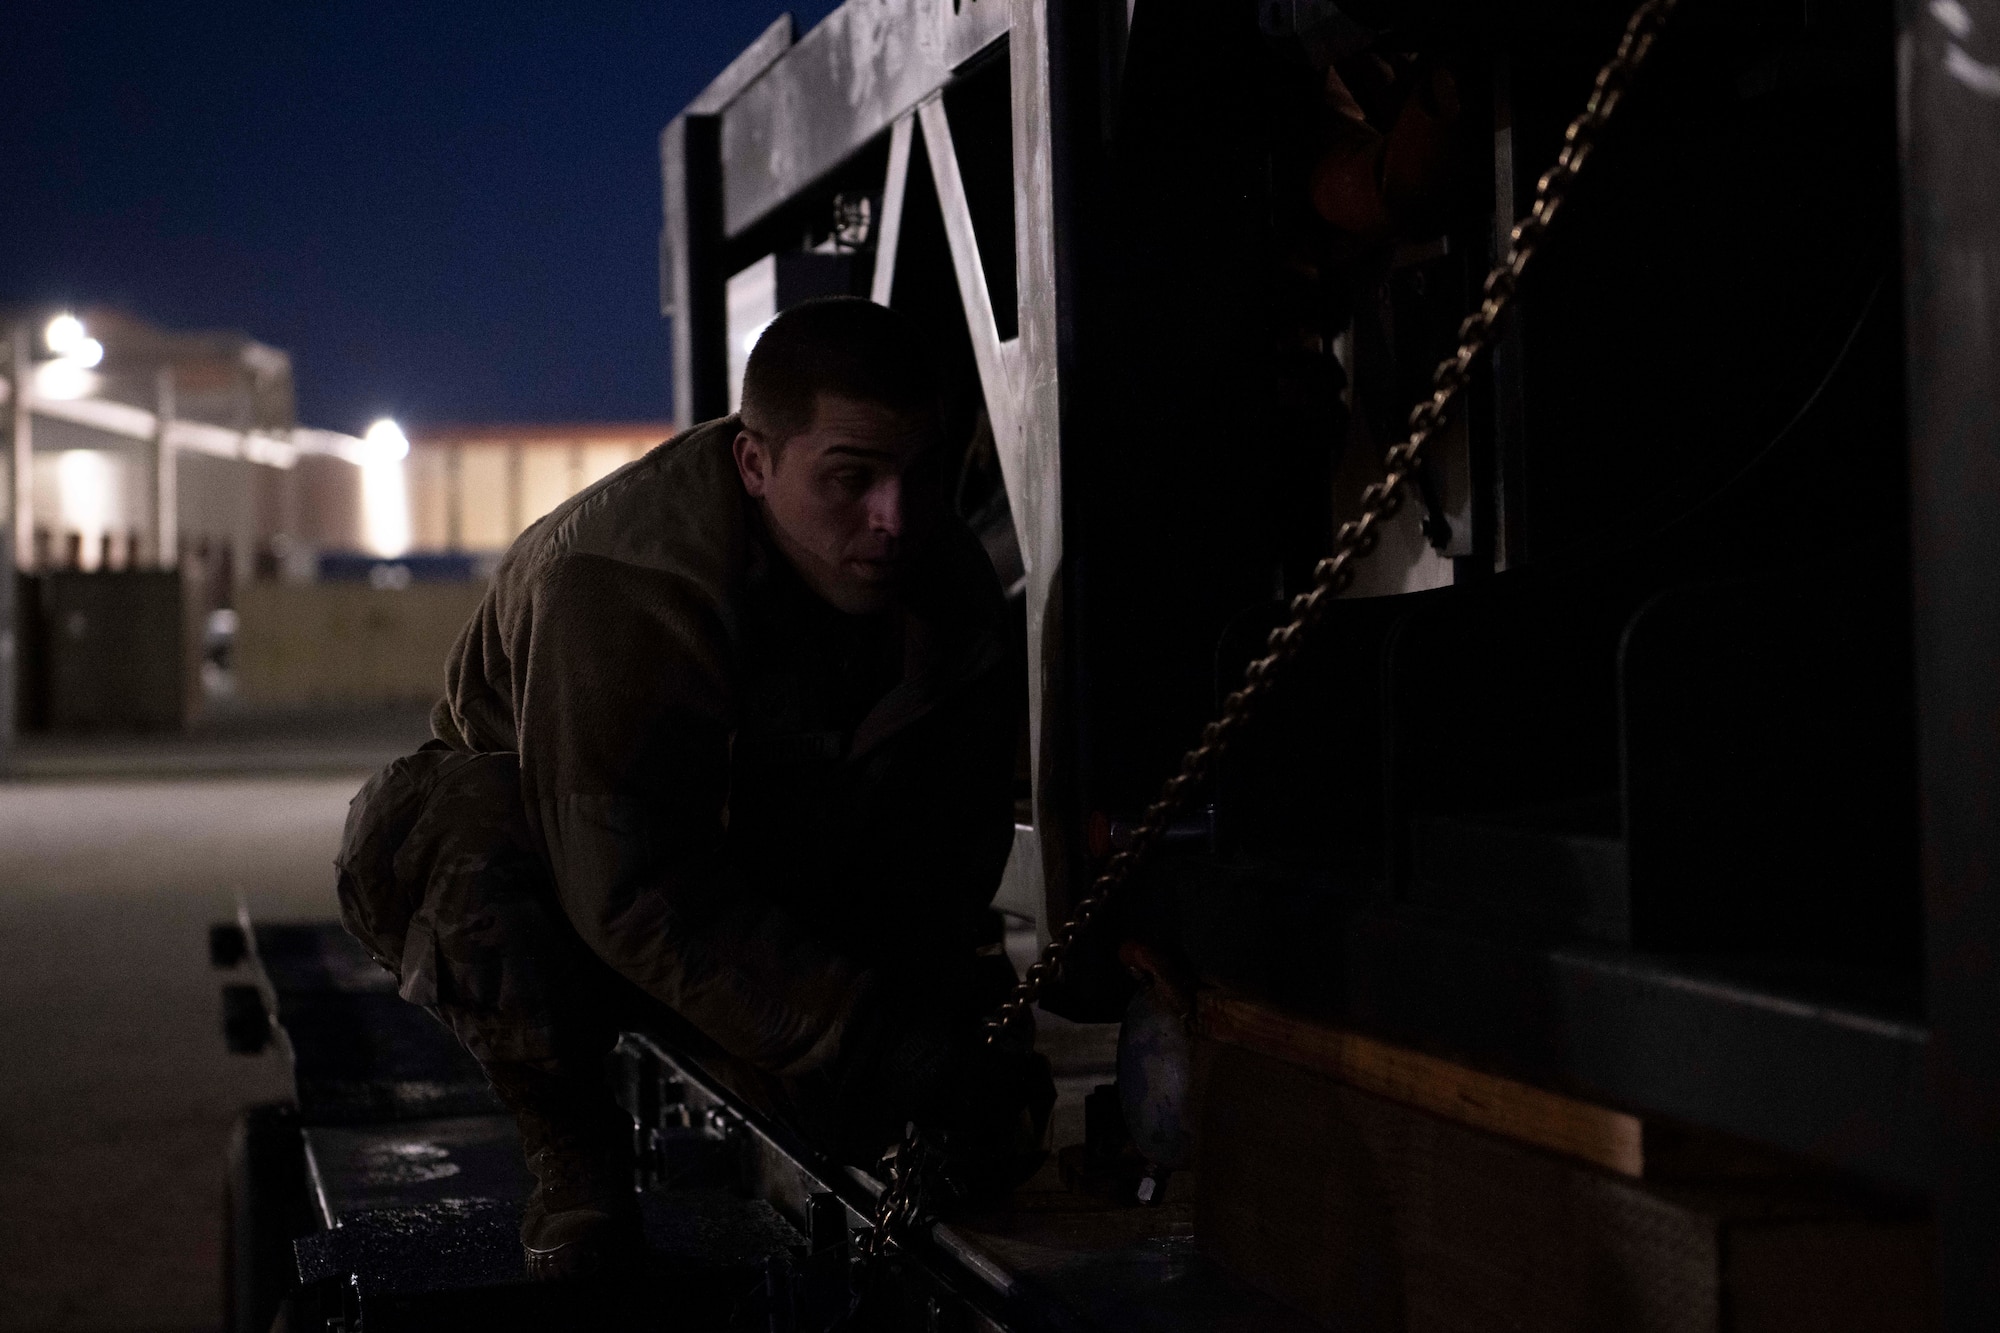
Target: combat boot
pixel 582 1218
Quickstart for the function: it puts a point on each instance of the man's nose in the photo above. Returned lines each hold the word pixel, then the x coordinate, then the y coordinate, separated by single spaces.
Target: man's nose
pixel 885 507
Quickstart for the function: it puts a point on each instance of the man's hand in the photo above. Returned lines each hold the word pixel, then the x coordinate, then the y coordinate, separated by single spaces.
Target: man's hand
pixel 987 1105
pixel 995 1120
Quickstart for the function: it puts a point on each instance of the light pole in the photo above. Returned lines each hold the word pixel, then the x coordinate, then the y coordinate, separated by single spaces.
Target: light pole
pixel 166 473
pixel 75 353
pixel 21 476
pixel 18 520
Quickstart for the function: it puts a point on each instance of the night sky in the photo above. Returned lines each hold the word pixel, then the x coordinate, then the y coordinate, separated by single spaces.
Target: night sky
pixel 448 212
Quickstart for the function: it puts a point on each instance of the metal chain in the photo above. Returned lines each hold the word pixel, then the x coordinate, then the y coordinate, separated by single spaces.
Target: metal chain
pixel 912 1165
pixel 900 1203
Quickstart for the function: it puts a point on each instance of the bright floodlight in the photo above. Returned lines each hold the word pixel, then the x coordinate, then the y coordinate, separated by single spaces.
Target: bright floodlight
pixel 87 352
pixel 63 380
pixel 387 442
pixel 64 334
pixel 385 495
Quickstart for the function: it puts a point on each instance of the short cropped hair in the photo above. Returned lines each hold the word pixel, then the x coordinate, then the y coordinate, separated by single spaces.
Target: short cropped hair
pixel 840 345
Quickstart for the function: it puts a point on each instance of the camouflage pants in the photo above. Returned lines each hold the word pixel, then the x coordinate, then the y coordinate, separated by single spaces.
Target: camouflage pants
pixel 440 880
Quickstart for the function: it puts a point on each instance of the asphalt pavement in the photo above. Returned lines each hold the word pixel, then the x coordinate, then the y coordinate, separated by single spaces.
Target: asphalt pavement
pixel 116 1094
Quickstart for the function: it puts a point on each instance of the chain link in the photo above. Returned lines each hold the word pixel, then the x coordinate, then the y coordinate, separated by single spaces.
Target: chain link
pixel 912 1164
pixel 1356 540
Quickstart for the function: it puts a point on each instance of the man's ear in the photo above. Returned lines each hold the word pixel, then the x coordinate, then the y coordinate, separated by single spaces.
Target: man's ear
pixel 753 462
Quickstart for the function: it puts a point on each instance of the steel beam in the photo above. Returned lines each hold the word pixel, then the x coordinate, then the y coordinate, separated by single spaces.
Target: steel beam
pixel 692 277
pixel 996 360
pixel 1022 885
pixel 1040 357
pixel 1020 378
pixel 741 72
pixel 1950 71
pixel 850 78
pixel 889 233
pixel 690 250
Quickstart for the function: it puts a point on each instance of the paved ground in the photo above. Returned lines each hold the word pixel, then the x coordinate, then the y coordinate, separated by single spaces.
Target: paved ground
pixel 231 743
pixel 116 1095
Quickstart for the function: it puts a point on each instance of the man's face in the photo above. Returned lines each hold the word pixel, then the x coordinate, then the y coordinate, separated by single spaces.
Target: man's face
pixel 851 499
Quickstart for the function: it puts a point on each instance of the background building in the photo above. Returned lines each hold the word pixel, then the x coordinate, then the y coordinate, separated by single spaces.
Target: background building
pixel 475 488
pixel 181 541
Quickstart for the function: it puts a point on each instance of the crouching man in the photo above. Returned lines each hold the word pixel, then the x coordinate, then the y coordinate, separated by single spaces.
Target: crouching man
pixel 727 751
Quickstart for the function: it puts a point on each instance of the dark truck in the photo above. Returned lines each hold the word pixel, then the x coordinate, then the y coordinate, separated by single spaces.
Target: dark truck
pixel 1586 919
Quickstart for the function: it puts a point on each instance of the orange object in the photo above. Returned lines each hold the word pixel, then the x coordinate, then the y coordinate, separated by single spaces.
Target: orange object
pixel 1373 186
pixel 1417 158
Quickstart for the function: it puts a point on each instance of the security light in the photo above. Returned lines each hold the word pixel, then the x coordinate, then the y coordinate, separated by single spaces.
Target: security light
pixel 386 442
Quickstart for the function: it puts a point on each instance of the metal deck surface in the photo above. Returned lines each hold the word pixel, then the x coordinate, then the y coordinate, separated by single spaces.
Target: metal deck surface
pixel 359 1052
pixel 418 1182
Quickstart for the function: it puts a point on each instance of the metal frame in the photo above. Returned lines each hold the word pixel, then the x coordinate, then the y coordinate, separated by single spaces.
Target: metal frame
pixel 880 66
pixel 1950 75
pixel 785 114
pixel 691 277
pixel 781 1170
pixel 867 64
pixel 894 187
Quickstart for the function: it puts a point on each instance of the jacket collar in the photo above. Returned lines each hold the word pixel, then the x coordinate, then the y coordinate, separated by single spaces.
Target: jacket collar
pixel 952 635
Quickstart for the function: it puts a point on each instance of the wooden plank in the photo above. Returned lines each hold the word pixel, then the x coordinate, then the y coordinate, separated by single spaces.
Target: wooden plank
pixel 1606 1138
pixel 1375 1217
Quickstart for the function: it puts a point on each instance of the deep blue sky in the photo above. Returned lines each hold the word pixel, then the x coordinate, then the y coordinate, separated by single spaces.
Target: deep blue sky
pixel 444 211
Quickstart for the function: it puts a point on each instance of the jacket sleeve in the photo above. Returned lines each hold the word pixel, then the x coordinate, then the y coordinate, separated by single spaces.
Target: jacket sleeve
pixel 624 715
